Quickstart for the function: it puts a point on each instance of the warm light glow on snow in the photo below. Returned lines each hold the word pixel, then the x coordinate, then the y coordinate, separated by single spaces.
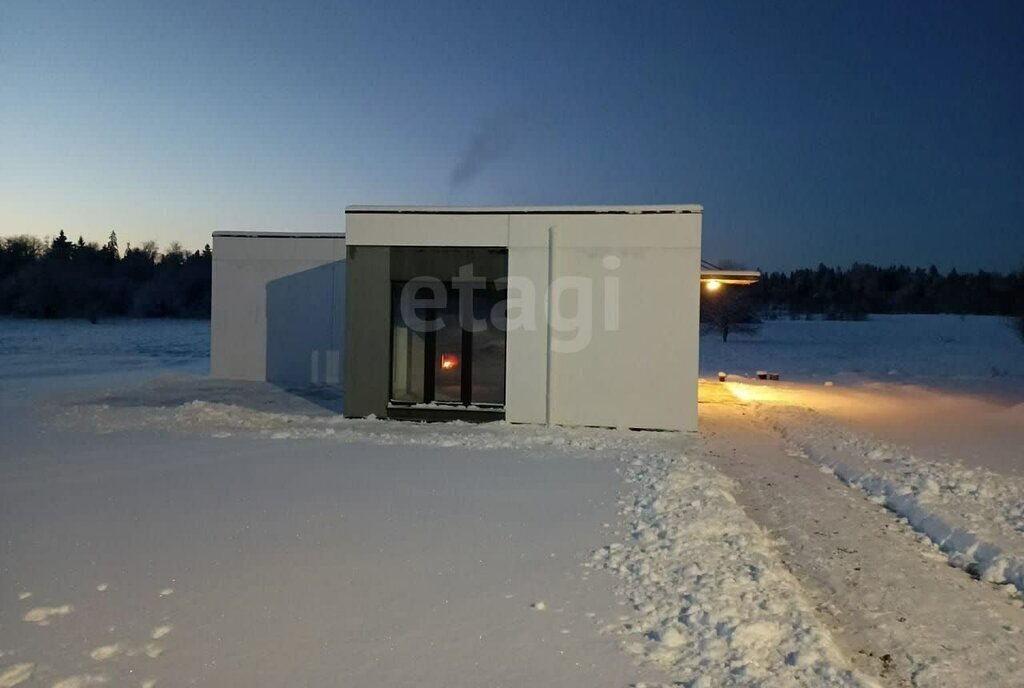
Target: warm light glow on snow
pixel 449 361
pixel 787 393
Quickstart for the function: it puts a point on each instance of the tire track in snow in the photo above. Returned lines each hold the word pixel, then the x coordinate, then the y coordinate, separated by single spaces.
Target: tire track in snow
pixel 895 604
pixel 976 517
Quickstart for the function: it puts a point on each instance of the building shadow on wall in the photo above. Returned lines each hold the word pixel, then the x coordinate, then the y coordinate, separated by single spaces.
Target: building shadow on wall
pixel 306 334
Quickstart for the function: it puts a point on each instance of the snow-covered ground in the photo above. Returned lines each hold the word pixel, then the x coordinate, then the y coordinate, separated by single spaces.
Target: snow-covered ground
pixel 922 415
pixel 34 349
pixel 183 557
pixel 979 354
pixel 896 607
pixel 947 460
pixel 156 526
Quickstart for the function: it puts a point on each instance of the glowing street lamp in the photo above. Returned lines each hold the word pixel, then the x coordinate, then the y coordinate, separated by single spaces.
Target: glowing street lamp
pixel 713 285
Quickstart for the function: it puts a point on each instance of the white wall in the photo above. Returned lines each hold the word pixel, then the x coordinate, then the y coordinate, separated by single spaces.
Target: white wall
pixel 296 283
pixel 526 346
pixel 629 358
pixel 426 229
pixel 638 367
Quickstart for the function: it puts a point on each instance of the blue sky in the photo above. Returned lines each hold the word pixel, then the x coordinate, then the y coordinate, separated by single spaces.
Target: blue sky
pixel 811 132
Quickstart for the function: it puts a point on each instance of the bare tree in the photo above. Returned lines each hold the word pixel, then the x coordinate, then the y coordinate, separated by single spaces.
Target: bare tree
pixel 727 309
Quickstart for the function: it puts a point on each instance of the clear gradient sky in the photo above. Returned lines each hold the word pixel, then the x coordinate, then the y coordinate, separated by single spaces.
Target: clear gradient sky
pixel 810 131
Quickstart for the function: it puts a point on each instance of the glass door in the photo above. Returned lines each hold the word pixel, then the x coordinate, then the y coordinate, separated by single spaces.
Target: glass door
pixel 408 349
pixel 448 365
pixel 488 348
pixel 438 358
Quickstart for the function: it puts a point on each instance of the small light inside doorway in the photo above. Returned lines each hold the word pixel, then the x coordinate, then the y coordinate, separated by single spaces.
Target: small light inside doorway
pixel 449 361
pixel 713 285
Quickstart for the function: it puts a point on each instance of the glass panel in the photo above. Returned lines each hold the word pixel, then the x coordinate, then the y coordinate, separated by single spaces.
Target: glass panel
pixel 408 355
pixel 448 355
pixel 489 347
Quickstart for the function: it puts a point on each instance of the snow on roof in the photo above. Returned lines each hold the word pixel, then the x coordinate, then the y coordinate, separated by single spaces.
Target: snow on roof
pixel 526 210
pixel 278 235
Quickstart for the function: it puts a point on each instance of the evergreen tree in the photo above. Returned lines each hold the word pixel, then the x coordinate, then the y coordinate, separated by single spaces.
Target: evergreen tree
pixel 60 248
pixel 110 250
pixel 83 279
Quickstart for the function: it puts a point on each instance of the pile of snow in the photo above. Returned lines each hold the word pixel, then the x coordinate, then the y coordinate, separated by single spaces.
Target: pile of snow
pixel 975 515
pixel 713 603
pixel 220 420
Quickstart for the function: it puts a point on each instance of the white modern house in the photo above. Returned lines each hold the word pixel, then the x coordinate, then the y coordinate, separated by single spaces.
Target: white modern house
pixel 556 315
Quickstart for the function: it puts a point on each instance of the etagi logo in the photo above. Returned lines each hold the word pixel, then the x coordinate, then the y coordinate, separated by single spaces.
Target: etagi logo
pixel 565 307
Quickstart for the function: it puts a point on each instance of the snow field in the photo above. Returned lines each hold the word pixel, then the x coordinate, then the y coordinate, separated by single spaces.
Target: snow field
pixel 941 350
pixel 404 561
pixel 712 603
pixel 19 673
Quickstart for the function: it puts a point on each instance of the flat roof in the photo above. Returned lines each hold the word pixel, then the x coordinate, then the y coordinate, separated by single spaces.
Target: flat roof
pixel 526 210
pixel 743 277
pixel 278 235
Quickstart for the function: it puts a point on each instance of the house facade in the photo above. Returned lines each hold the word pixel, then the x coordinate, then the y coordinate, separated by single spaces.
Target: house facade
pixel 555 315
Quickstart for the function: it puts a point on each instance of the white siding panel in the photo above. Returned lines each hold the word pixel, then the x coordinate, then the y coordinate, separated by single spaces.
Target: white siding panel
pixel 278 308
pixel 433 229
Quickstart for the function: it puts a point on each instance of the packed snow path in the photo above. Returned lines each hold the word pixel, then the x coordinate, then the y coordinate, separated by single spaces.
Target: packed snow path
pixel 900 609
pixel 973 513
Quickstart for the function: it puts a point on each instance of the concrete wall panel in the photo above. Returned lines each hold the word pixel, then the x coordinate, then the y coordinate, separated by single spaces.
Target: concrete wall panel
pixel 638 278
pixel 368 331
pixel 527 338
pixel 278 308
pixel 403 229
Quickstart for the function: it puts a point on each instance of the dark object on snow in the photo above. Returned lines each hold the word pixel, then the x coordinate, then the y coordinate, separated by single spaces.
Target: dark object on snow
pixel 721 377
pixel 762 375
pixel 773 376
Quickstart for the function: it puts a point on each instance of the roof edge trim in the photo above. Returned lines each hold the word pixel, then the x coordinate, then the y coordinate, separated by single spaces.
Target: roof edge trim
pixel 526 210
pixel 277 235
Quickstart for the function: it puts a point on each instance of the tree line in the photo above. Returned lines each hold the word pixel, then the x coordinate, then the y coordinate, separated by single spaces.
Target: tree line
pixel 66 279
pixel 854 292
pixel 62 278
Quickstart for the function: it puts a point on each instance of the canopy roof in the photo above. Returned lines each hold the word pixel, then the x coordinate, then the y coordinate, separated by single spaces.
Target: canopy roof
pixel 709 272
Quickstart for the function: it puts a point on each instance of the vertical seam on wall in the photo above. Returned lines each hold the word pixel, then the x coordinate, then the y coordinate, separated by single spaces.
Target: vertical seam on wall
pixel 547 322
pixel 334 307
